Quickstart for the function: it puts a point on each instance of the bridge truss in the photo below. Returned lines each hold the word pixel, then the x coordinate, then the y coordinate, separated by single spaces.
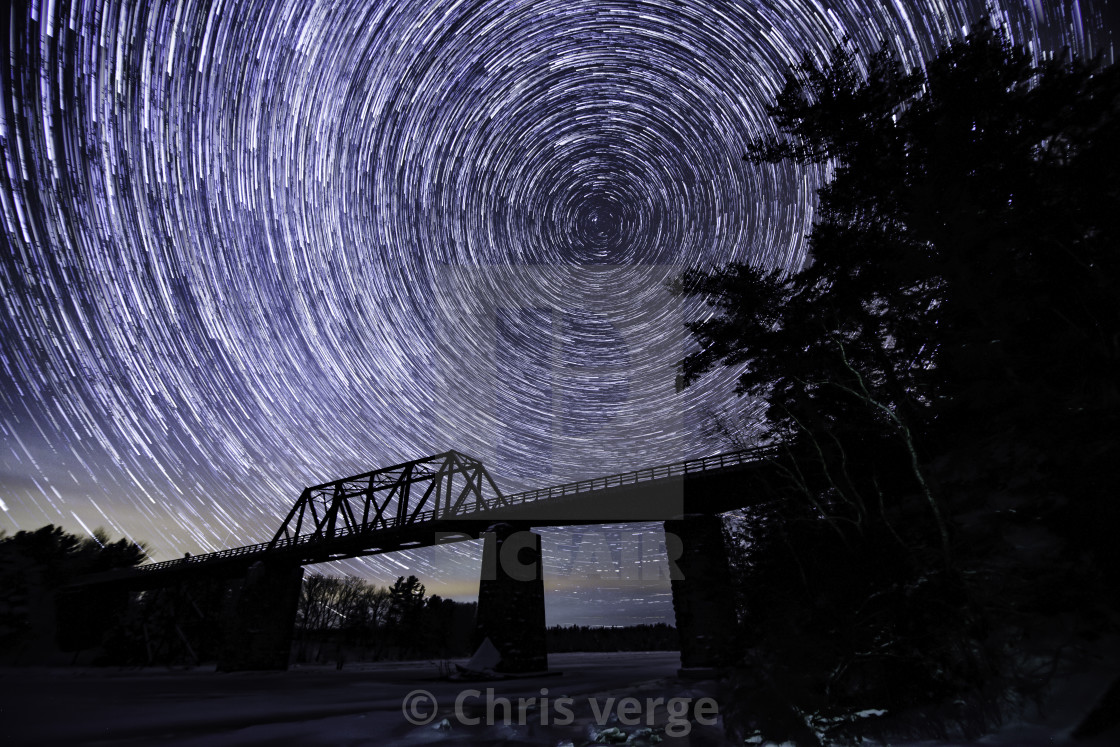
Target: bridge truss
pixel 436 487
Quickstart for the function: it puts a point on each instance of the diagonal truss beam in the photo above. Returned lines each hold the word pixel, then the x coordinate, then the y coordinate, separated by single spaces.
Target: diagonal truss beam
pixel 435 487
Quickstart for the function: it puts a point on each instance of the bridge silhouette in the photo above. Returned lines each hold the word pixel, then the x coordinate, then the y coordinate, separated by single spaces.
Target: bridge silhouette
pixel 451 497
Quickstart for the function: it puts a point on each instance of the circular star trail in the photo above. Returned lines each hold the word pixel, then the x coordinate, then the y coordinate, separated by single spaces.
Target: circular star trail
pixel 251 246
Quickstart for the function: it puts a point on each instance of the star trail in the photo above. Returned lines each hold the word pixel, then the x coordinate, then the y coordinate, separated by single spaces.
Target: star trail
pixel 253 246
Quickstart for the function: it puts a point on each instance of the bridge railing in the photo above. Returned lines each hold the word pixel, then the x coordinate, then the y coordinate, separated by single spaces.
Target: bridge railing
pixel 687 467
pixel 304 540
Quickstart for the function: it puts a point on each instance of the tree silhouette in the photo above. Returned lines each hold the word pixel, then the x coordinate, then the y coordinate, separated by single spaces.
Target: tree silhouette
pixel 33 564
pixel 341 617
pixel 406 614
pixel 941 372
pixel 960 294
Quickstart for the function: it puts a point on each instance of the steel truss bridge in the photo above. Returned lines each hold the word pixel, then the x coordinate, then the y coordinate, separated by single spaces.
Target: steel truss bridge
pixel 450 497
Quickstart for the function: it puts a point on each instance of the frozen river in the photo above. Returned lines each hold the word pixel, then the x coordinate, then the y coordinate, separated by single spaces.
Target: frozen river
pixel 372 704
pixel 362 704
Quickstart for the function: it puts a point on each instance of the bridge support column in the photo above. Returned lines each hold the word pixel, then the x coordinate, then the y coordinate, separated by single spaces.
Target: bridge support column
pixel 258 616
pixel 700 579
pixel 511 598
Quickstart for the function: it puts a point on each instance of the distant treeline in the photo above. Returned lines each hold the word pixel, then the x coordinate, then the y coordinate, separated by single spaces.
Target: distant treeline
pixel 341 619
pixel 658 637
pixel 348 619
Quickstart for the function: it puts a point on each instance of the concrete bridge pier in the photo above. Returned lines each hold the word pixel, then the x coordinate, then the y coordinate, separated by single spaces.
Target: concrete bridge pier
pixel 704 606
pixel 511 598
pixel 258 618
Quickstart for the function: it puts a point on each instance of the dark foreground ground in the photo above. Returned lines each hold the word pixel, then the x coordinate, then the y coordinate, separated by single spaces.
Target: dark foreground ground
pixel 366 704
pixel 360 705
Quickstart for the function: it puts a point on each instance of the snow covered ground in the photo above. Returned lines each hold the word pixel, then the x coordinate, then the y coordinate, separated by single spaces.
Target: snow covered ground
pixel 361 705
pixel 618 696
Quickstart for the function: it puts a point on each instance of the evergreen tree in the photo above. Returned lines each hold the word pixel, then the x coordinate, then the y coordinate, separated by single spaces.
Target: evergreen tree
pixel 406 614
pixel 941 373
pixel 34 564
pixel 959 298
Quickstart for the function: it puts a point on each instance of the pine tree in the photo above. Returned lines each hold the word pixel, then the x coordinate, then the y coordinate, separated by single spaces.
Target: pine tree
pixel 942 372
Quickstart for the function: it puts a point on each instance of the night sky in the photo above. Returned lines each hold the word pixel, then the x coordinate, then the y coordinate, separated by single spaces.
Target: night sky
pixel 253 246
